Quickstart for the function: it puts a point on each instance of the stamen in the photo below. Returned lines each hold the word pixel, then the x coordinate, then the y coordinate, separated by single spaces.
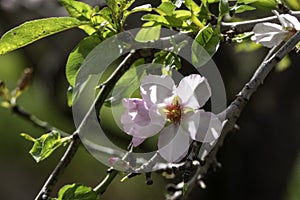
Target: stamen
pixel 174 111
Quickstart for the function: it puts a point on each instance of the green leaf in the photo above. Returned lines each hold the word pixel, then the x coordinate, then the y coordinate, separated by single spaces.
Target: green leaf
pixel 168 60
pixel 204 11
pixel 116 8
pixel 167 7
pixel 240 9
pixel 205 45
pixel 148 34
pixel 243 37
pixel 142 8
pixel 44 146
pixel 191 5
pixel 293 4
pixel 119 6
pixel 32 31
pixel 182 14
pixel 246 1
pixel 79 10
pixel 78 55
pixel 284 64
pixel 169 21
pixel 28 137
pixel 77 192
pixel 247 46
pixel 103 15
pixel 178 3
pixel 70 96
pixel 145 8
pixel 155 18
pixel 223 8
pixel 265 4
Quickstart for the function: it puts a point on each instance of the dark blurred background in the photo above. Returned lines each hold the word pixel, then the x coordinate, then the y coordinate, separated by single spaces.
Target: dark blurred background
pixel 259 162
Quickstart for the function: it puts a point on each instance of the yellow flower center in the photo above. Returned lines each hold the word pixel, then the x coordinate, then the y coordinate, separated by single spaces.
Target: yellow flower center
pixel 174 111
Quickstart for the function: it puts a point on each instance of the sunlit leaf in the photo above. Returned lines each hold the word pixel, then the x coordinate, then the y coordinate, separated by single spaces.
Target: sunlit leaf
pixel 191 5
pixel 44 146
pixel 119 6
pixel 243 37
pixel 77 192
pixel 213 1
pixel 155 18
pixel 294 4
pixel 246 1
pixel 79 10
pixel 240 9
pixel 32 31
pixel 145 8
pixel 205 45
pixel 167 7
pixel 182 14
pixel 148 34
pixel 28 137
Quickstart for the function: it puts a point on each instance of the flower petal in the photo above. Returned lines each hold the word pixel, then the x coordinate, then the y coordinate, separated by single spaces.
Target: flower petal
pixel 139 120
pixel 203 126
pixel 138 110
pixel 137 141
pixel 289 21
pixel 268 34
pixel 154 88
pixel 267 27
pixel 173 143
pixel 194 91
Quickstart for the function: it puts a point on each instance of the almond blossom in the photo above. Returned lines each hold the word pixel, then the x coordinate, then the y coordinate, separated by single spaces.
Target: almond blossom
pixel 271 34
pixel 173 112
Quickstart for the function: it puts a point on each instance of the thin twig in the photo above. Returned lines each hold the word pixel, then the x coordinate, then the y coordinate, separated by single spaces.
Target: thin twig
pixel 61 166
pixel 233 111
pixel 111 174
pixel 74 145
pixel 34 120
pixel 246 26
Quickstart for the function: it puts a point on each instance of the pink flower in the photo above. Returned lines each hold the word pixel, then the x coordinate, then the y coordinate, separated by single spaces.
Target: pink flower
pixel 172 111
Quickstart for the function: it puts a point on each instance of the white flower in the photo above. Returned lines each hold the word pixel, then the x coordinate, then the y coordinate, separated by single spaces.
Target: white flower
pixel 271 34
pixel 173 112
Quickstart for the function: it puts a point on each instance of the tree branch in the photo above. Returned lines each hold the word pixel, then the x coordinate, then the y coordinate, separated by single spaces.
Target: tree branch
pixel 74 145
pixel 234 110
pixel 16 109
pixel 63 163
